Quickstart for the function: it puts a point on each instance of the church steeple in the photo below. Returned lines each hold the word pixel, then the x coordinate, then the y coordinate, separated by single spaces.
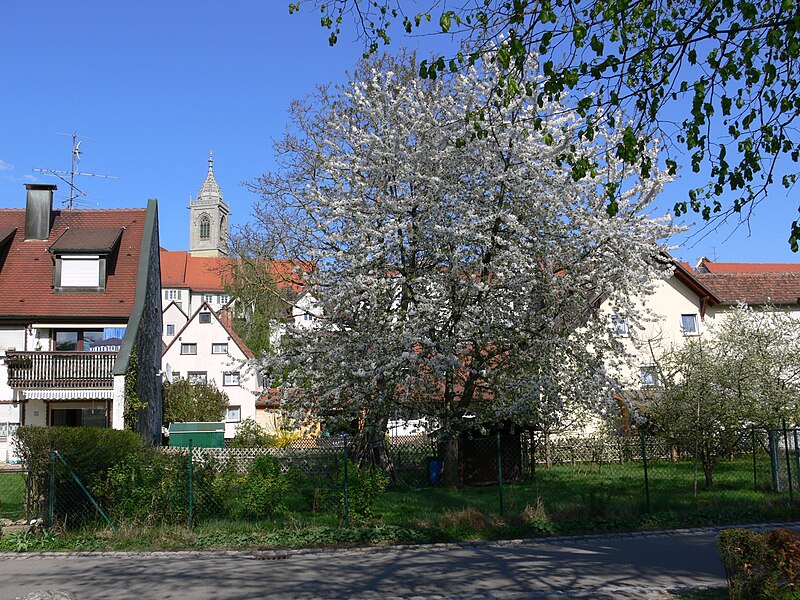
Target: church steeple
pixel 208 224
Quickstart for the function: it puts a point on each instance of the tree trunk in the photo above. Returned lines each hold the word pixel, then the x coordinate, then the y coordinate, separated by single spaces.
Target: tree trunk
pixel 448 448
pixel 369 450
pixel 548 451
pixel 708 471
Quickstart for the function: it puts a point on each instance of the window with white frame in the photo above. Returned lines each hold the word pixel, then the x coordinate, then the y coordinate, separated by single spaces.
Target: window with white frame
pixel 308 317
pixel 689 324
pixel 619 326
pixel 172 294
pixel 188 348
pixel 648 375
pixel 170 329
pixel 233 414
pixel 208 298
pixel 230 378
pixel 224 298
pixel 221 348
pixel 197 377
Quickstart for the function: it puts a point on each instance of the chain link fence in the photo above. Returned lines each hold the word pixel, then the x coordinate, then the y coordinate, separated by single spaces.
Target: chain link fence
pixel 511 475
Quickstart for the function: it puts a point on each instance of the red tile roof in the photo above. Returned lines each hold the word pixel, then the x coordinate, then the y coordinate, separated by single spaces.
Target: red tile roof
pixel 26 273
pixel 753 287
pixel 211 274
pixel 732 267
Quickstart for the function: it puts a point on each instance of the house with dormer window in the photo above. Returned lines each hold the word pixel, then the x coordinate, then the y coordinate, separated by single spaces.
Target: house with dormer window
pixel 79 296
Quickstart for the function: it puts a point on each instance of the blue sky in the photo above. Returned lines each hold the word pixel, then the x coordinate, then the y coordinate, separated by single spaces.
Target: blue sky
pixel 151 87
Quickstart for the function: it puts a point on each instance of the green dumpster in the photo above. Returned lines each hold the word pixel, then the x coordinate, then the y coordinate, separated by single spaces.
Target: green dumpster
pixel 203 435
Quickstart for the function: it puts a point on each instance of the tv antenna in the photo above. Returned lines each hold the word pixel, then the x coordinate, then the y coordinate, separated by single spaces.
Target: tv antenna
pixel 74 191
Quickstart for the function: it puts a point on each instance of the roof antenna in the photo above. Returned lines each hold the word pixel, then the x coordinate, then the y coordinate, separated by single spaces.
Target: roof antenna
pixel 74 192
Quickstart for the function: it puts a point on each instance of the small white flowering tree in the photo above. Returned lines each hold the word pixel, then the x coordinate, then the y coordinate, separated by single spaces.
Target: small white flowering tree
pixel 744 372
pixel 458 267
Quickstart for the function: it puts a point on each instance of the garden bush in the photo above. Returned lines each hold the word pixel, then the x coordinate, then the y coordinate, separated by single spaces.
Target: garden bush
pixel 761 565
pixel 364 486
pixel 263 491
pixel 90 451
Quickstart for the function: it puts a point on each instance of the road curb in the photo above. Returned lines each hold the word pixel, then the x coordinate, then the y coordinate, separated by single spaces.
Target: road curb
pixel 278 554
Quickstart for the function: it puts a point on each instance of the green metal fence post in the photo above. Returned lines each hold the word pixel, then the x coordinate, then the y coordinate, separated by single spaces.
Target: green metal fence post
pixel 86 492
pixel 500 471
pixel 52 485
pixel 796 458
pixel 788 461
pixel 346 505
pixel 191 484
pixel 755 469
pixel 646 478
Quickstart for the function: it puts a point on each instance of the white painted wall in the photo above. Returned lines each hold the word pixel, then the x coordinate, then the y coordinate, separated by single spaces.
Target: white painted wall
pixel 204 335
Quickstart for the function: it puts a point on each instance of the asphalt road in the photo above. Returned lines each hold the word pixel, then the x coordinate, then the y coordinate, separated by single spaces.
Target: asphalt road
pixel 615 567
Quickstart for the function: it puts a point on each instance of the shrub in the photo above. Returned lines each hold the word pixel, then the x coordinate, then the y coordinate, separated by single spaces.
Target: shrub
pixel 90 451
pixel 760 565
pixel 250 434
pixel 263 492
pixel 363 488
pixel 152 488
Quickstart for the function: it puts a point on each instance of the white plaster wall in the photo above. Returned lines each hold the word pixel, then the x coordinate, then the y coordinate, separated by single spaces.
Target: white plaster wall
pixel 204 335
pixel 10 337
pixel 662 330
pixel 172 316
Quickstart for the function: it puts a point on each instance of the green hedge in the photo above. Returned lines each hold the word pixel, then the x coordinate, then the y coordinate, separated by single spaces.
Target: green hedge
pixel 90 451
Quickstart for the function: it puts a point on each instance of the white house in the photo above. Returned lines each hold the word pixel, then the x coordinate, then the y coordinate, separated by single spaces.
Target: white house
pixel 206 349
pixel 79 292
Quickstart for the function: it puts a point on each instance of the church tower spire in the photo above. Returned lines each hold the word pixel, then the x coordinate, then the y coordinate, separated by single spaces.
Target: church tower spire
pixel 208 223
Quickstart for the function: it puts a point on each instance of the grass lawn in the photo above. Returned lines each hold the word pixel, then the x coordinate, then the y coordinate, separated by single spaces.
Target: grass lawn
pixel 564 499
pixel 12 495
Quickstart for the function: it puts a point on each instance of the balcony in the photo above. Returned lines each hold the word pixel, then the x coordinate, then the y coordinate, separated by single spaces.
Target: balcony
pixel 60 370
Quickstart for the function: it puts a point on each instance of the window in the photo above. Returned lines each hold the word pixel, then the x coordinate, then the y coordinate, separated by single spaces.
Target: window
pixel 649 376
pixel 80 271
pixel 77 340
pixel 233 414
pixel 307 317
pixel 219 348
pixel 231 378
pixel 188 348
pixel 170 328
pixel 172 294
pixel 205 317
pixel 208 298
pixel 224 298
pixel 205 227
pixel 689 325
pixel 197 377
pixel 619 325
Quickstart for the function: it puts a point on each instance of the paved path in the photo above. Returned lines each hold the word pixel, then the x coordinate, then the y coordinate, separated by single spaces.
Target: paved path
pixel 639 566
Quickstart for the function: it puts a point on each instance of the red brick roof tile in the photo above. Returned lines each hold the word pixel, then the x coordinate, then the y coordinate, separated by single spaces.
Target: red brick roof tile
pixel 773 287
pixel 26 274
pixel 733 267
pixel 212 274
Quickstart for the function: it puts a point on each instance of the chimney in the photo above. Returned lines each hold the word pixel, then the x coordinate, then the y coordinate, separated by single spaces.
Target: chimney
pixel 38 209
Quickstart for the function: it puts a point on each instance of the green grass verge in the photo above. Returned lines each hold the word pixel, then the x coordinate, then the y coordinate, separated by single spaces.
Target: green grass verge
pixel 565 499
pixel 12 495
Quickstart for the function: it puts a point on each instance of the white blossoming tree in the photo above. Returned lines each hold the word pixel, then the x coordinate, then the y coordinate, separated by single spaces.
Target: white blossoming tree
pixel 459 269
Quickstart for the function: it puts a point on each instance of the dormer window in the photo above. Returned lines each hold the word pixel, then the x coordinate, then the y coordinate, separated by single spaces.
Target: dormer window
pixel 83 258
pixel 80 272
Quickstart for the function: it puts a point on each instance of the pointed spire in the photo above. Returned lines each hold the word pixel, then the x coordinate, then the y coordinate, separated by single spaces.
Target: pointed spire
pixel 209 191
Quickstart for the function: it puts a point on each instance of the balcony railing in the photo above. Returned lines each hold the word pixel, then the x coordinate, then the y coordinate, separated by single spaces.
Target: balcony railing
pixel 60 370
